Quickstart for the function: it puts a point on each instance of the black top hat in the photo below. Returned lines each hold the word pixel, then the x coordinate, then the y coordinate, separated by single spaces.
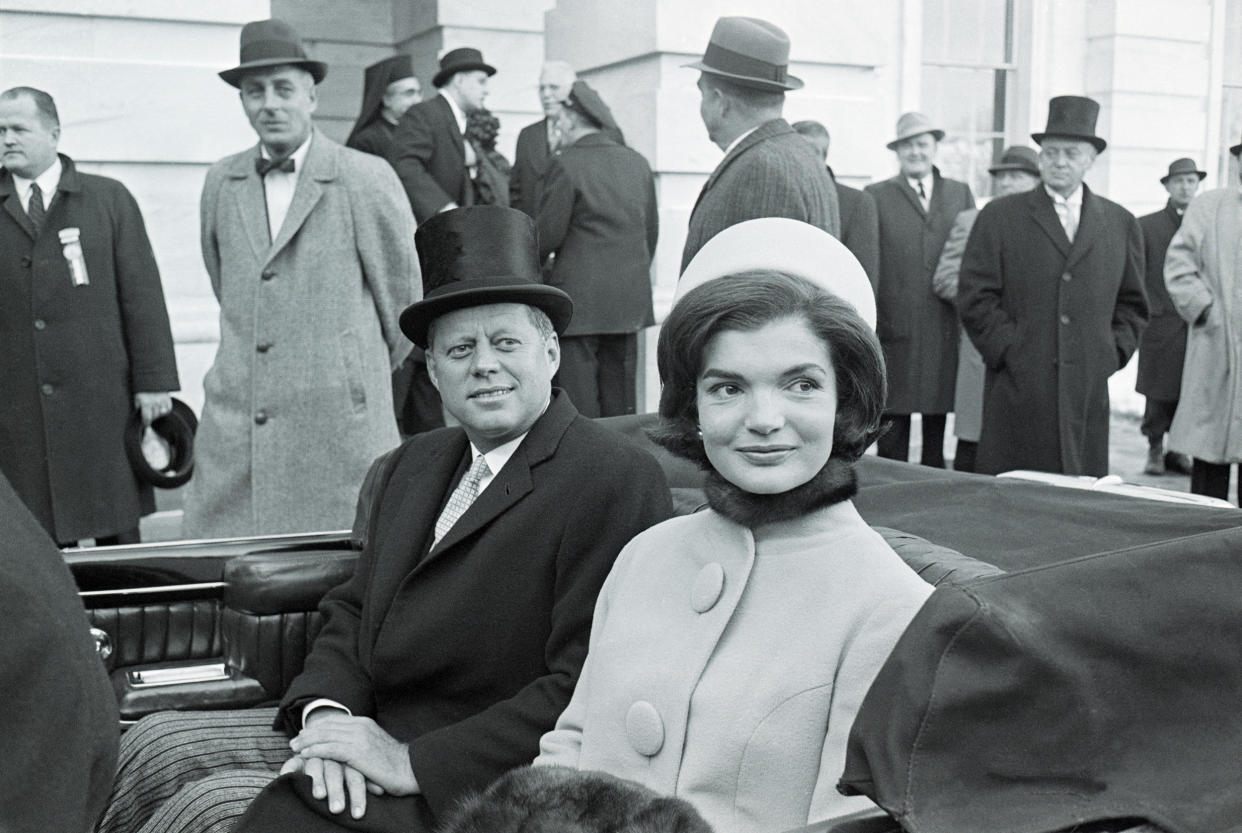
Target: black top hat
pixel 1072 117
pixel 1184 165
pixel 272 43
pixel 583 99
pixel 460 60
pixel 750 52
pixel 1017 158
pixel 483 254
pixel 378 76
pixel 177 429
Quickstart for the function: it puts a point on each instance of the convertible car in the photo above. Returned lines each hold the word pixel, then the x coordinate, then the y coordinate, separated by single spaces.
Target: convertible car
pixel 1082 642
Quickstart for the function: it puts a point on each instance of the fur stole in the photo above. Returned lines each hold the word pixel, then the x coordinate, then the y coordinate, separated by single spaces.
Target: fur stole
pixel 835 482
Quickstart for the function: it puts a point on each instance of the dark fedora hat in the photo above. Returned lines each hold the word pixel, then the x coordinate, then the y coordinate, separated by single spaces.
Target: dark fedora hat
pixel 1185 165
pixel 460 60
pixel 272 43
pixel 483 254
pixel 1017 158
pixel 176 428
pixel 750 52
pixel 583 99
pixel 1072 117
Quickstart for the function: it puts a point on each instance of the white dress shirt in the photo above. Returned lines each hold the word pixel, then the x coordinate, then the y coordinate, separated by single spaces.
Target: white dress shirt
pixel 471 160
pixel 48 181
pixel 927 181
pixel 1069 210
pixel 278 186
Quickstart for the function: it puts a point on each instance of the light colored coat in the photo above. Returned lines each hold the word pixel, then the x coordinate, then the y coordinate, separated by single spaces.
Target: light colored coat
pixel 299 399
pixel 726 667
pixel 1201 272
pixel 968 391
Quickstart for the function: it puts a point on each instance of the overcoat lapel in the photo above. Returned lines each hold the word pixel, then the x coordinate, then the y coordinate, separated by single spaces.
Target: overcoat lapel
pixel 1090 223
pixel 13 205
pixel 903 185
pixel 251 202
pixel 1045 217
pixel 320 167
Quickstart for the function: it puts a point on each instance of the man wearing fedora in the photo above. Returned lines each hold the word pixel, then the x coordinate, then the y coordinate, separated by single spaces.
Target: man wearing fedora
pixel 309 247
pixel 1051 293
pixel 84 333
pixel 539 142
pixel 860 226
pixel 768 170
pixel 1016 173
pixel 1162 349
pixel 598 221
pixel 458 640
pixel 389 89
pixel 918 331
pixel 1203 275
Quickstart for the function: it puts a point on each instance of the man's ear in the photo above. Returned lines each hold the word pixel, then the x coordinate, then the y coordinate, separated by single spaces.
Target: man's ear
pixel 554 353
pixel 431 368
pixel 313 94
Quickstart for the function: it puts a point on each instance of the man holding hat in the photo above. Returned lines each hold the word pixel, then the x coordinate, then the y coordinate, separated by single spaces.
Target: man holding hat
pixel 431 154
pixel 768 170
pixel 918 331
pixel 309 247
pixel 1203 274
pixel 458 641
pixel 599 222
pixel 84 333
pixel 1016 173
pixel 1162 349
pixel 1051 293
pixel 389 89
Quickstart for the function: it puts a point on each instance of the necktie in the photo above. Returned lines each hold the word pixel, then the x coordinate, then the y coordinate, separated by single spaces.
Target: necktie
pixel 265 166
pixel 35 209
pixel 922 195
pixel 465 493
pixel 1069 222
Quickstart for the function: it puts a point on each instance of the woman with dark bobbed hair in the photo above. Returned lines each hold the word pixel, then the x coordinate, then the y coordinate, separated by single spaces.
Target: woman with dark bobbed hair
pixel 731 648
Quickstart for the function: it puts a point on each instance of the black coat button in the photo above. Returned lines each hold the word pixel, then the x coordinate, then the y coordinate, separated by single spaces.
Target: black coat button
pixel 263 346
pixel 268 274
pixel 260 418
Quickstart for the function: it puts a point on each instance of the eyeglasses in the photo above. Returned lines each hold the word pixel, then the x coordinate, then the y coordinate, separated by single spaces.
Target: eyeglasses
pixel 1070 154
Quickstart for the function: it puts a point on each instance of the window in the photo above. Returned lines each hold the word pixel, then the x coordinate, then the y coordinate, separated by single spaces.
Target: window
pixel 968 67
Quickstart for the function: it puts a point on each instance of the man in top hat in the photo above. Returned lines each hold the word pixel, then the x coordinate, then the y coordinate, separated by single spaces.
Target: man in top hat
pixel 1016 173
pixel 389 89
pixel 1051 292
pixel 309 247
pixel 1203 274
pixel 1162 349
pixel 458 641
pixel 431 154
pixel 860 226
pixel 918 331
pixel 539 142
pixel 83 329
pixel 767 170
pixel 599 222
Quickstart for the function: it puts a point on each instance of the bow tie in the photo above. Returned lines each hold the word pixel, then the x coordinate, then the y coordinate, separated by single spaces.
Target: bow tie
pixel 263 166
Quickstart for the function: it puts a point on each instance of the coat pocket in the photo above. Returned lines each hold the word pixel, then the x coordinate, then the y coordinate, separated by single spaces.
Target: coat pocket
pixel 352 368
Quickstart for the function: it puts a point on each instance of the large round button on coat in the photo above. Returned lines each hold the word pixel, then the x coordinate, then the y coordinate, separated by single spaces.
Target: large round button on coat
pixel 708 585
pixel 260 418
pixel 644 729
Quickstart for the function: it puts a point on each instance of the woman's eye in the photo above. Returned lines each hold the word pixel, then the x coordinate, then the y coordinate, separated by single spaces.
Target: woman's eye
pixel 805 386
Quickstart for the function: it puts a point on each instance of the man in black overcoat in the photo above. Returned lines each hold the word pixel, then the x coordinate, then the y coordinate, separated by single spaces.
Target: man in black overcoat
pixel 1162 350
pixel 459 639
pixel 84 333
pixel 538 143
pixel 1051 292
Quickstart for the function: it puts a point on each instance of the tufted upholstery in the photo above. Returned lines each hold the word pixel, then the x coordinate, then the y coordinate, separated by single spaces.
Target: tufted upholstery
pixel 144 634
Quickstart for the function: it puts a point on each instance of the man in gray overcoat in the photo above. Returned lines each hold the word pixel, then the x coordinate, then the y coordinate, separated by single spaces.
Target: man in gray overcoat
pixel 310 250
pixel 1203 274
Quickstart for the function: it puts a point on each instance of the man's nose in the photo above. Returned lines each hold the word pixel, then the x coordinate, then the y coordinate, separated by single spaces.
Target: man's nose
pixel 486 360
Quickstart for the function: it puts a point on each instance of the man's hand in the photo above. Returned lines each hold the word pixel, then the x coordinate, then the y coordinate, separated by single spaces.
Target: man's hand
pixel 336 782
pixel 361 745
pixel 153 405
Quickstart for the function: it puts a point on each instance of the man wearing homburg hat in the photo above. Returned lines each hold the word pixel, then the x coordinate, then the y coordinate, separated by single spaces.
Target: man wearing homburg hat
pixel 1051 293
pixel 458 640
pixel 599 222
pixel 918 331
pixel 1162 349
pixel 1203 275
pixel 389 89
pixel 768 170
pixel 309 247
pixel 1016 173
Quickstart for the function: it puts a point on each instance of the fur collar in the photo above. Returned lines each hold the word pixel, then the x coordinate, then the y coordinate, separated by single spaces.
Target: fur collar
pixel 835 482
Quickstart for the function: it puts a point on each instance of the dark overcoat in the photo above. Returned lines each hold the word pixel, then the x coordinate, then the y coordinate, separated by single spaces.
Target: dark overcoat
pixel 1052 321
pixel 1162 350
pixel 60 718
pixel 530 164
pixel 772 172
pixel 471 651
pixel 598 214
pixel 917 329
pixel 429 155
pixel 72 357
pixel 375 139
pixel 860 227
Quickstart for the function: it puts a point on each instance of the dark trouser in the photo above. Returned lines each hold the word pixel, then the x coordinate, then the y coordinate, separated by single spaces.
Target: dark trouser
pixel 964 455
pixel 598 372
pixel 1157 417
pixel 894 442
pixel 1211 479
